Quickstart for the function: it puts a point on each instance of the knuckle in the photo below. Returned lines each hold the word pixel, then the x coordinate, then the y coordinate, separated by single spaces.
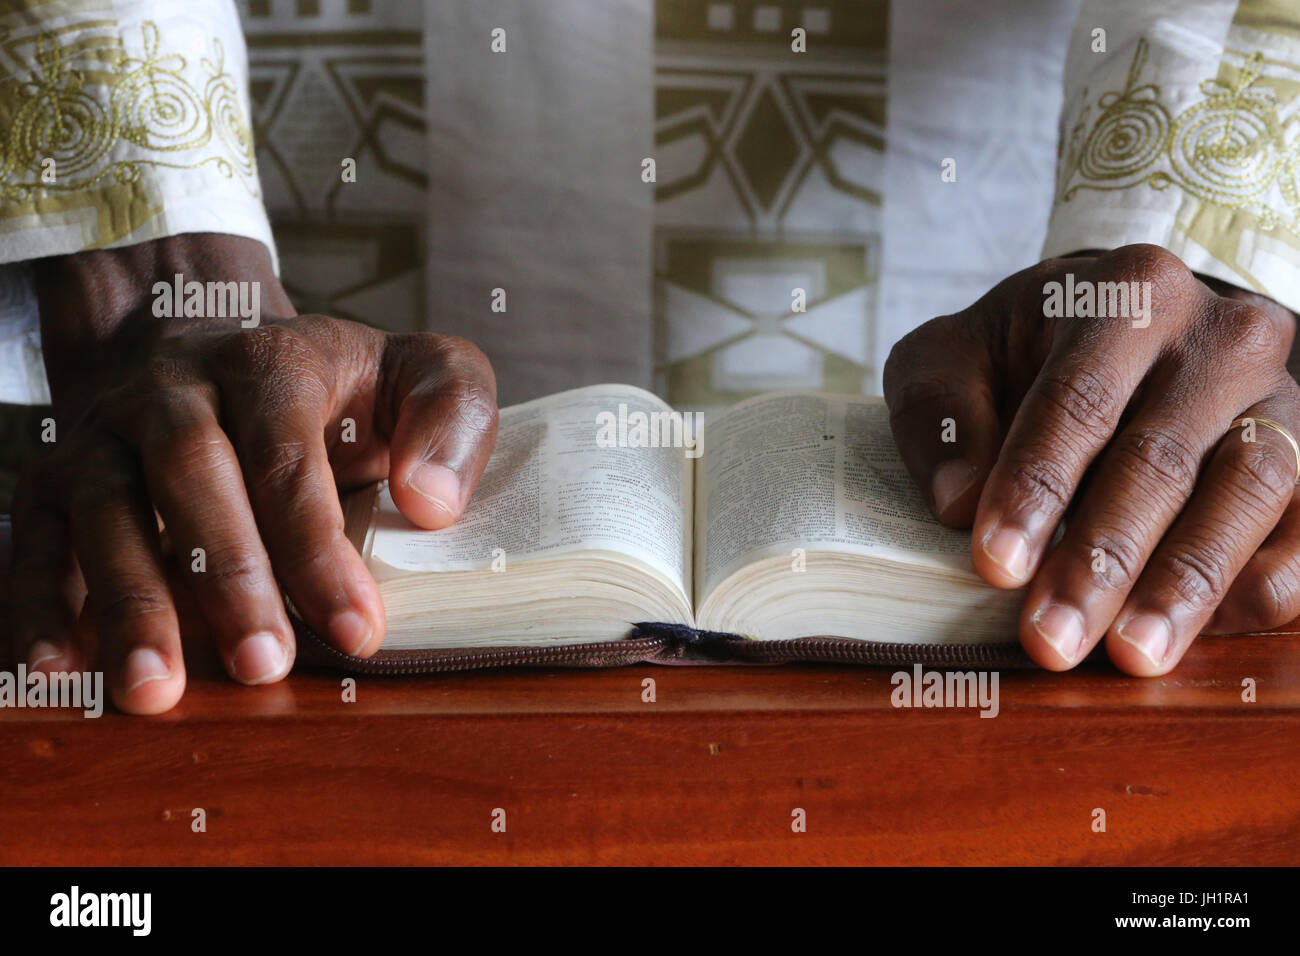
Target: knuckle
pixel 461 359
pixel 162 381
pixel 174 424
pixel 283 481
pixel 279 466
pixel 269 348
pixel 909 351
pixel 1162 459
pixel 127 610
pixel 310 563
pixel 916 377
pixel 270 339
pixel 1273 597
pixel 1263 472
pixel 931 391
pixel 1169 275
pixel 1124 559
pixel 163 372
pixel 1251 332
pixel 914 393
pixel 455 348
pixel 918 347
pixel 1042 483
pixel 1089 397
pixel 475 407
pixel 1266 597
pixel 1198 576
pixel 233 569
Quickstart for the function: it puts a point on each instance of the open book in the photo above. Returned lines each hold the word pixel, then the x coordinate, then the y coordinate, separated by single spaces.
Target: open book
pixel 786 516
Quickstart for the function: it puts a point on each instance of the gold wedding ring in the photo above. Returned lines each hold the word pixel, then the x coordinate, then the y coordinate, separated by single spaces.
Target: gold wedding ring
pixel 1280 429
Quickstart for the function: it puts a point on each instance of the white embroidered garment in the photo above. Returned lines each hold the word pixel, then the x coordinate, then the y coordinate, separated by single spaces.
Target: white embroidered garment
pixel 798 221
pixel 1186 133
pixel 124 121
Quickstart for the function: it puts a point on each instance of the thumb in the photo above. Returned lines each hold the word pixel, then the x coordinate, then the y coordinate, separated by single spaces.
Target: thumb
pixel 938 384
pixel 442 393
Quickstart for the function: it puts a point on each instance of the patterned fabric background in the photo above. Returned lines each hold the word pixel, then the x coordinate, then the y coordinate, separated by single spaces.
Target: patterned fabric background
pixel 343 81
pixel 770 179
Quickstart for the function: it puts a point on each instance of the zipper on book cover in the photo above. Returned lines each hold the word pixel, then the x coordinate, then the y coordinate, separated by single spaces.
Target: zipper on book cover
pixel 634 649
pixel 842 650
pixel 648 642
pixel 687 643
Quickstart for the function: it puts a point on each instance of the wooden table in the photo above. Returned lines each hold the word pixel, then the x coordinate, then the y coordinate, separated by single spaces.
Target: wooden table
pixel 711 772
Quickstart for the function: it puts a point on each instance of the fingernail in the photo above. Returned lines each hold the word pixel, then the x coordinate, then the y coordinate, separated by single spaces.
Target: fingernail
pixel 44 652
pixel 951 480
pixel 350 631
pixel 437 484
pixel 1149 633
pixel 1061 627
pixel 259 658
pixel 1009 550
pixel 143 665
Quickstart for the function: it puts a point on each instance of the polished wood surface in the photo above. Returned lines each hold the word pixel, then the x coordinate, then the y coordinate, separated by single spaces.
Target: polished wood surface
pixel 711 772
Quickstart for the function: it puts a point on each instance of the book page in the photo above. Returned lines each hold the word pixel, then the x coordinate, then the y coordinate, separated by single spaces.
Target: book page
pixel 788 471
pixel 550 489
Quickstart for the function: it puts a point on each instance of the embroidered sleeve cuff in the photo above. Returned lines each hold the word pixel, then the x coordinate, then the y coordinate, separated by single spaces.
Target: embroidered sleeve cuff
pixel 1184 132
pixel 124 122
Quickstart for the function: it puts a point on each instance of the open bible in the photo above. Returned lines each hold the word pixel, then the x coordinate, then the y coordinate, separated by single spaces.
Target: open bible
pixel 604 517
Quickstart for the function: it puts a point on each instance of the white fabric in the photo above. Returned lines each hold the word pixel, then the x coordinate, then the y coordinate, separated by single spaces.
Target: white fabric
pixel 981 87
pixel 535 160
pixel 535 188
pixel 1210 171
pixel 164 149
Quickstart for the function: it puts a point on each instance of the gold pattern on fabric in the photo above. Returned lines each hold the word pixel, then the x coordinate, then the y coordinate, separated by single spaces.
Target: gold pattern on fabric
pixel 1228 148
pixel 147 113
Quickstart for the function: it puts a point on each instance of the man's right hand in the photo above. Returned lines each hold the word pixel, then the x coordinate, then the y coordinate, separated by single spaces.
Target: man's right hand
pixel 1181 522
pixel 236 439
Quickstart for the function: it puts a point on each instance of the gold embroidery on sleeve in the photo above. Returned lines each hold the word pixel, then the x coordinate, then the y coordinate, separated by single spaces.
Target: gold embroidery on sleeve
pixel 1128 136
pixel 1228 148
pixel 149 108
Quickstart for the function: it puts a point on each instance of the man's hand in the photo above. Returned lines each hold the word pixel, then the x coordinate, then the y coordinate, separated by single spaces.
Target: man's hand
pixel 236 439
pixel 1172 514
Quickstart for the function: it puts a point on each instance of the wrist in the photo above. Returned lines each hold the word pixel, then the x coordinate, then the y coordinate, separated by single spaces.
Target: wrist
pixel 92 299
pixel 100 309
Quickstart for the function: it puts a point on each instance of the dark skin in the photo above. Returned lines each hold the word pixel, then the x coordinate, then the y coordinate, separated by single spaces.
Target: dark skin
pixel 1128 429
pixel 235 437
pixel 231 438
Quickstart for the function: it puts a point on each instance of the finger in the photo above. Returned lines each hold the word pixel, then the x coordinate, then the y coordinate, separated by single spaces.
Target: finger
pixel 115 534
pixel 1139 486
pixel 1246 488
pixel 1069 415
pixel 441 393
pixel 47 591
pixel 278 434
pixel 195 483
pixel 1266 592
pixel 943 412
